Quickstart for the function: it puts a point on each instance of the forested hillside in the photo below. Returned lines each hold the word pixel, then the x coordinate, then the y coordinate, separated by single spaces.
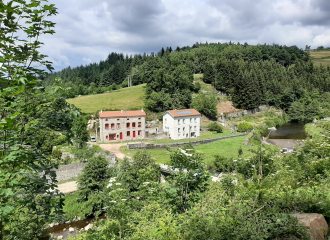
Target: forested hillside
pixel 276 75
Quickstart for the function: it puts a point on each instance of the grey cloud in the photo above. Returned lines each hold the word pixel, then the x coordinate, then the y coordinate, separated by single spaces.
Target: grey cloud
pixel 139 17
pixel 90 30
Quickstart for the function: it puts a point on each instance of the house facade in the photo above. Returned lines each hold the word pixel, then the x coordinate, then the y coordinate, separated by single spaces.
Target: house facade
pixel 181 124
pixel 122 125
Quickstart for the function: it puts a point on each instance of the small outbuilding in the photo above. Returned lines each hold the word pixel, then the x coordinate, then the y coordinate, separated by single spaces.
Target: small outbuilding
pixel 182 124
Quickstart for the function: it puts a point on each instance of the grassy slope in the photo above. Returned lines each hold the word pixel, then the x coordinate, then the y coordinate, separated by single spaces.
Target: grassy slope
pixel 321 57
pixel 124 98
pixel 227 147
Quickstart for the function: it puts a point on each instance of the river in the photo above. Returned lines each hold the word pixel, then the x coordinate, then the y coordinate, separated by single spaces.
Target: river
pixel 63 229
pixel 288 131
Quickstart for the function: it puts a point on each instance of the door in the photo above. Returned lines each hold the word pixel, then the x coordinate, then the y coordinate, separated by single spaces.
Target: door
pixel 147 134
pixel 121 136
pixel 133 134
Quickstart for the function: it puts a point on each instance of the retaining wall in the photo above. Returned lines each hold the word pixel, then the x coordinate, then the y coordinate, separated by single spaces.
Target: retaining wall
pixel 176 144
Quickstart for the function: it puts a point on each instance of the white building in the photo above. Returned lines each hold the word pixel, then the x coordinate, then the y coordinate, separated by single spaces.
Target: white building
pixel 182 124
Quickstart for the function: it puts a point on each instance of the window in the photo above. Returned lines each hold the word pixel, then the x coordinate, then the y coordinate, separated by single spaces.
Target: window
pixel 183 129
pixel 106 126
pixel 139 118
pixel 165 120
pixel 179 122
pixel 195 120
pixel 195 128
pixel 117 119
pixel 178 130
pixel 106 119
pixel 139 133
pixel 128 125
pixel 183 121
pixel 128 133
pixel 127 118
pixel 112 126
pixel 178 134
pixel 112 137
pixel 133 124
pixel 139 124
pixel 191 120
pixel 118 125
pixel 190 128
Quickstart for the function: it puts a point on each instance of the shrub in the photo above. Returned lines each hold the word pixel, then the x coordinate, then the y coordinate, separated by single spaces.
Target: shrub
pixel 244 127
pixel 278 121
pixel 197 87
pixel 270 123
pixel 215 127
pixel 223 164
pixel 57 154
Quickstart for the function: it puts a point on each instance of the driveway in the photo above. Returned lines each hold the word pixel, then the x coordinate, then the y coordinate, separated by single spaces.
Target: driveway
pixel 114 148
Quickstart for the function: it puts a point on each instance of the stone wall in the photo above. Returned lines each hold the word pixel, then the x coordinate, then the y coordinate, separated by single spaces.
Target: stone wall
pixel 177 144
pixel 246 112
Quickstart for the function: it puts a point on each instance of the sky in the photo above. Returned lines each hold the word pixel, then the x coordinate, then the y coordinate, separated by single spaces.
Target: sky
pixel 87 31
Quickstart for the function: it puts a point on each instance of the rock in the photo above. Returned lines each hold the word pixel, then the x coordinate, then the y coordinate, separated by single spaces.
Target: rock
pixel 89 226
pixel 315 223
pixel 51 225
pixel 60 237
pixel 64 229
pixel 71 229
pixel 272 128
pixel 246 142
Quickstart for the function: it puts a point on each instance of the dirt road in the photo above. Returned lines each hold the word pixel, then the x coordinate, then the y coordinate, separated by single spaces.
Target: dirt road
pixel 114 148
pixel 68 187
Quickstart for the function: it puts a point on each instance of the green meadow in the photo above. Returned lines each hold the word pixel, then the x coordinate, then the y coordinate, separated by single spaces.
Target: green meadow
pixel 124 98
pixel 227 147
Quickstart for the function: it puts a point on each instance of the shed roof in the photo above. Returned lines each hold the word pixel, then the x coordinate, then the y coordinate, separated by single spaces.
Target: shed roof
pixel 113 114
pixel 183 112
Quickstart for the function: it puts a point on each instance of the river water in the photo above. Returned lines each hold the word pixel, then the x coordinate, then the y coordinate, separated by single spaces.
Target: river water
pixel 63 229
pixel 288 131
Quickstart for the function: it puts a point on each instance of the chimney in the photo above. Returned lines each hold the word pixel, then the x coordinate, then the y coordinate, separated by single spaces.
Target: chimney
pixel 142 110
pixel 101 111
pixel 122 111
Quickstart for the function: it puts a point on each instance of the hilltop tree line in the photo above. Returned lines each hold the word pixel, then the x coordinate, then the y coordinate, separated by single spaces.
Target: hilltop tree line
pixel 276 75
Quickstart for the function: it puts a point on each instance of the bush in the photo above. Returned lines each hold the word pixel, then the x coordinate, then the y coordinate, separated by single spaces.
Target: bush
pixel 197 87
pixel 270 123
pixel 124 84
pixel 57 154
pixel 215 127
pixel 223 164
pixel 278 121
pixel 244 127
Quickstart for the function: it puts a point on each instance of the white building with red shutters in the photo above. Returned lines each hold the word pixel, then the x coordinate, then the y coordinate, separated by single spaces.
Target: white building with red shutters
pixel 181 124
pixel 122 125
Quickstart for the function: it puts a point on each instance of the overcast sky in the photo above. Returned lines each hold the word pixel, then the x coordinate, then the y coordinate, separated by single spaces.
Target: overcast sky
pixel 88 30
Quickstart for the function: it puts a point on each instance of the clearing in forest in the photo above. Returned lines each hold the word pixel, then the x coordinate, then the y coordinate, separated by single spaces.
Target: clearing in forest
pixel 321 57
pixel 124 98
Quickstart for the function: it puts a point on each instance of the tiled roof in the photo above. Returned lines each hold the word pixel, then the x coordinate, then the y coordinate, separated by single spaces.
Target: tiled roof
pixel 183 112
pixel 112 114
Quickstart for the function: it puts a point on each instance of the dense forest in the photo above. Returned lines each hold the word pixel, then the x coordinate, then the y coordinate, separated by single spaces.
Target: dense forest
pixel 276 75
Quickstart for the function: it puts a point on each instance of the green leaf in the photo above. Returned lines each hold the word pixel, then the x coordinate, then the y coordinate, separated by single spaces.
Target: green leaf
pixel 6 210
